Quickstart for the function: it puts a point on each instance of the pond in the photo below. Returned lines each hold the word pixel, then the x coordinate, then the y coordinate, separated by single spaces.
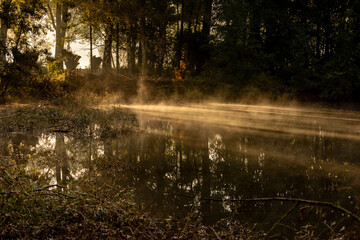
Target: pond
pixel 212 151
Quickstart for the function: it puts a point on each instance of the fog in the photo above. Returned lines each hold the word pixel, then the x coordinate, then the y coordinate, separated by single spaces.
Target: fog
pixel 296 120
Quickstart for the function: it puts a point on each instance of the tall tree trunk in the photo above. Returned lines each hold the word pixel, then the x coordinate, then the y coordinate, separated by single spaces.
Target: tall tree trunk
pixel 318 40
pixel 60 28
pixel 318 29
pixel 3 49
pixel 255 24
pixel 91 49
pixel 117 47
pixel 59 23
pixel 131 47
pixel 128 50
pixel 3 38
pixel 108 48
pixel 178 53
pixel 327 28
pixel 132 54
pixel 207 19
pixel 162 48
pixel 143 48
pixel 139 54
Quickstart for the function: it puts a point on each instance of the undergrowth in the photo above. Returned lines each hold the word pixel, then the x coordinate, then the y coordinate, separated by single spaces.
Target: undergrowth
pixel 30 210
pixel 65 115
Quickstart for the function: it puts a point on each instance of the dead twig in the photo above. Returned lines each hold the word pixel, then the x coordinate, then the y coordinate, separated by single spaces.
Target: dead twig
pixel 8 174
pixel 282 217
pixel 215 233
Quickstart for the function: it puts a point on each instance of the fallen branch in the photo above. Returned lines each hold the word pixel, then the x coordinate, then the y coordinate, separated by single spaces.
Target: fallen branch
pixel 37 190
pixel 296 200
pixel 47 187
pixel 283 217
pixel 61 131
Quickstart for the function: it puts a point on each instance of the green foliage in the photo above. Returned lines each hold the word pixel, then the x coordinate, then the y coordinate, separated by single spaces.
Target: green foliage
pixel 21 69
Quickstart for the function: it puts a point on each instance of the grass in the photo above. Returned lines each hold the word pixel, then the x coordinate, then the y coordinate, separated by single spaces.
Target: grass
pixel 65 116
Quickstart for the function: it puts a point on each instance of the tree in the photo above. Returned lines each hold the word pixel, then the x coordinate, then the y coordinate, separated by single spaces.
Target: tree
pixel 20 18
pixel 90 30
pixel 5 7
pixel 59 23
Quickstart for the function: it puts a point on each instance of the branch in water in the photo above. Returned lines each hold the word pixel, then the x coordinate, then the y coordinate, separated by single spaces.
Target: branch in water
pixel 297 200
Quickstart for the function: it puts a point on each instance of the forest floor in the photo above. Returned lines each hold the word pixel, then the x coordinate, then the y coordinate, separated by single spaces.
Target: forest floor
pixel 30 208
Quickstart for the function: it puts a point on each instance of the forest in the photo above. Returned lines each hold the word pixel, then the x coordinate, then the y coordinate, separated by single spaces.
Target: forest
pixel 304 50
pixel 179 119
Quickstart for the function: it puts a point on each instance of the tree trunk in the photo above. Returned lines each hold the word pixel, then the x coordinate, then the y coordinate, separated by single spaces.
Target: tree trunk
pixel 3 49
pixel 91 49
pixel 58 31
pixel 117 47
pixel 143 48
pixel 178 53
pixel 318 39
pixel 61 19
pixel 207 19
pixel 162 48
pixel 327 29
pixel 131 48
pixel 132 54
pixel 128 49
pixel 3 39
pixel 108 48
pixel 318 29
pixel 139 54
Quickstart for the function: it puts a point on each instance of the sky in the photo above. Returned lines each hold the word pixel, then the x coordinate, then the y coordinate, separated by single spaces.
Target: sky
pixel 81 49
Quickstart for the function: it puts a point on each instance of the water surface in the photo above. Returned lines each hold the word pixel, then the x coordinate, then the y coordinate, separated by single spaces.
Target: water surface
pixel 211 151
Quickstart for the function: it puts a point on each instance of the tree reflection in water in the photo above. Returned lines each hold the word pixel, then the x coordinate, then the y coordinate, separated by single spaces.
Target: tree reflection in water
pixel 178 158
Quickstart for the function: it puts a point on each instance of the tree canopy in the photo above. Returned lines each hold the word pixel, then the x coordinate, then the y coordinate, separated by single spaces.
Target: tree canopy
pixel 306 49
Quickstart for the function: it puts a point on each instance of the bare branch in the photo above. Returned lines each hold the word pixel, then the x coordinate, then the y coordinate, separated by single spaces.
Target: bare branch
pixel 51 16
pixel 216 235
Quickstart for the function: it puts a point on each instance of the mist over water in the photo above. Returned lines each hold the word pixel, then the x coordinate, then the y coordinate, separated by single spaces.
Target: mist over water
pixel 229 151
pixel 333 123
pixel 213 150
